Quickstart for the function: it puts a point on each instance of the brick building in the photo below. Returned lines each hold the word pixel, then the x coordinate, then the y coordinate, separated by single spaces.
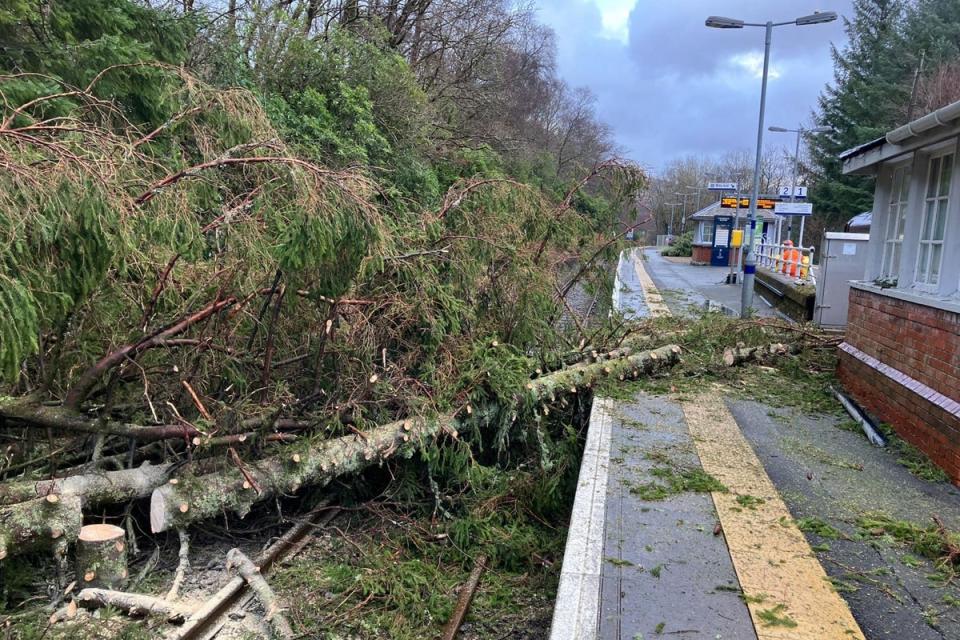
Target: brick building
pixel 901 355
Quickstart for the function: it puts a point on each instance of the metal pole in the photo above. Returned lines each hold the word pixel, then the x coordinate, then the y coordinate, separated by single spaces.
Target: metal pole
pixel 802 220
pixel 793 181
pixel 732 279
pixel 750 260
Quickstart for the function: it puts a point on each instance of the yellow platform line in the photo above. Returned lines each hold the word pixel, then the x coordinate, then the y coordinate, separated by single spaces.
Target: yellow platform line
pixel 651 294
pixel 783 583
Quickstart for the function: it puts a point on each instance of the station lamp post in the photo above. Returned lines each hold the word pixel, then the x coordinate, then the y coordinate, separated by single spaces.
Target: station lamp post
pixel 796 163
pixel 749 259
pixel 673 212
pixel 683 217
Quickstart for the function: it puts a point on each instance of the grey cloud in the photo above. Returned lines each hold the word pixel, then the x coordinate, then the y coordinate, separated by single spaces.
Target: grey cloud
pixel 673 90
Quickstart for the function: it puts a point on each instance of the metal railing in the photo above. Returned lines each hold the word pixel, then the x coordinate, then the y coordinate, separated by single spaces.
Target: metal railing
pixel 787 260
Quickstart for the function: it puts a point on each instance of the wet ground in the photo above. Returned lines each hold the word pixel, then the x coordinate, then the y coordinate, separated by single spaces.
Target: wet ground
pixel 685 287
pixel 833 474
pixel 664 549
pixel 834 482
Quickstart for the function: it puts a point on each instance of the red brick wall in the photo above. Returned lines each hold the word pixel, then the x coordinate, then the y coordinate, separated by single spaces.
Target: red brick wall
pixel 918 340
pixel 923 345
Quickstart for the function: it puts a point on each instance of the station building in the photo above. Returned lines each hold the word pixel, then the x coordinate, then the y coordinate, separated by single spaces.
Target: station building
pixel 901 354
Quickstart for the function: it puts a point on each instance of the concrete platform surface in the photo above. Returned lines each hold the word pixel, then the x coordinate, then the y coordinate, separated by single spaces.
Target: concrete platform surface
pixel 648 554
pixel 683 286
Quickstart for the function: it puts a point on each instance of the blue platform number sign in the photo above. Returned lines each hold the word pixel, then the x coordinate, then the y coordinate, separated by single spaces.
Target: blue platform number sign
pixel 720 253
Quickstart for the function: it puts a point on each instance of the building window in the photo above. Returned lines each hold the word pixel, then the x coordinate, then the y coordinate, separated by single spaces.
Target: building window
pixel 896 216
pixel 933 228
pixel 706 232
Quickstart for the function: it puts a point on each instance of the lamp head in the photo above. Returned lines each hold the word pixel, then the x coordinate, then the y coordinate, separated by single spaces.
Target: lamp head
pixel 817 18
pixel 719 22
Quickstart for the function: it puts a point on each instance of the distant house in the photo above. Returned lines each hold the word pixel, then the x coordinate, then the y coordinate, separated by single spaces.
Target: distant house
pixel 901 355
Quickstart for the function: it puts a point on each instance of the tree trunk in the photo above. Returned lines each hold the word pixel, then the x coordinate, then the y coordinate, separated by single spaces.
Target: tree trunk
pixel 108 487
pixel 38 523
pixel 102 556
pixel 733 356
pixel 199 498
pixel 65 419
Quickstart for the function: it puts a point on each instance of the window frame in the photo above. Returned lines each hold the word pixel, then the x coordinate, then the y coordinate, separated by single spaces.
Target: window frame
pixel 925 201
pixel 897 209
pixel 704 224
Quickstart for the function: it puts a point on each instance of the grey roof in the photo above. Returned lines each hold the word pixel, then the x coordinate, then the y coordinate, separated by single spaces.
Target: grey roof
pixel 866 146
pixel 861 220
pixel 937 125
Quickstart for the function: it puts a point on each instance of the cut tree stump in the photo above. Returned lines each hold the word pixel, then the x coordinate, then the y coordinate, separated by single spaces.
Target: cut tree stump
pixel 39 523
pixel 102 556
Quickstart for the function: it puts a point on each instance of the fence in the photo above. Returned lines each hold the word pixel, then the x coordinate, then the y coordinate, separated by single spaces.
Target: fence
pixel 787 260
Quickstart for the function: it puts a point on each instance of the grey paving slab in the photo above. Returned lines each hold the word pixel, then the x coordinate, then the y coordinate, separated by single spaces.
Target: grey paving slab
pixel 835 475
pixel 685 286
pixel 662 563
pixel 628 296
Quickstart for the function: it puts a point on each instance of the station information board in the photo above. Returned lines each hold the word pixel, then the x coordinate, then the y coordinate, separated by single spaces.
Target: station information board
pixel 762 203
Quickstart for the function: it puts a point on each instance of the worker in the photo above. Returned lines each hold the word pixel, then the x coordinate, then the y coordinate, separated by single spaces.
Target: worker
pixel 791 259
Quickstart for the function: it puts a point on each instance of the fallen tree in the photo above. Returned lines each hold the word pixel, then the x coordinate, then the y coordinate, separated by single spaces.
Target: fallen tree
pixel 196 493
pixel 734 356
pixel 186 500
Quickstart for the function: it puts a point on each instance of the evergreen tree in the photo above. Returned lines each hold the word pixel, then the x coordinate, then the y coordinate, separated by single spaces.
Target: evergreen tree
pixel 69 42
pixel 933 27
pixel 871 87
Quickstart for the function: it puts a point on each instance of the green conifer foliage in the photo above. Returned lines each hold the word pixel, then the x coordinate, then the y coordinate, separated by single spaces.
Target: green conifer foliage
pixel 863 103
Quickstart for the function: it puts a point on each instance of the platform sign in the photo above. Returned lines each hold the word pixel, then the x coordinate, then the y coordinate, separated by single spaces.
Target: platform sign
pixel 762 203
pixel 722 186
pixel 798 192
pixel 793 209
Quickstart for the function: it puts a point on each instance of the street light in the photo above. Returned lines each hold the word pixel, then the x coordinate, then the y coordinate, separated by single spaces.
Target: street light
pixel 683 219
pixel 696 190
pixel 796 162
pixel 672 213
pixel 718 22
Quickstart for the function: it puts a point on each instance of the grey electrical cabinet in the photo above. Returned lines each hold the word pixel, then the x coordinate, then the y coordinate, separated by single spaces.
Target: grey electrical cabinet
pixel 843 257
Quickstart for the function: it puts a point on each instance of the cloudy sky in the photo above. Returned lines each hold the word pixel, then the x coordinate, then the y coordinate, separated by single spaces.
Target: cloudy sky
pixel 669 86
